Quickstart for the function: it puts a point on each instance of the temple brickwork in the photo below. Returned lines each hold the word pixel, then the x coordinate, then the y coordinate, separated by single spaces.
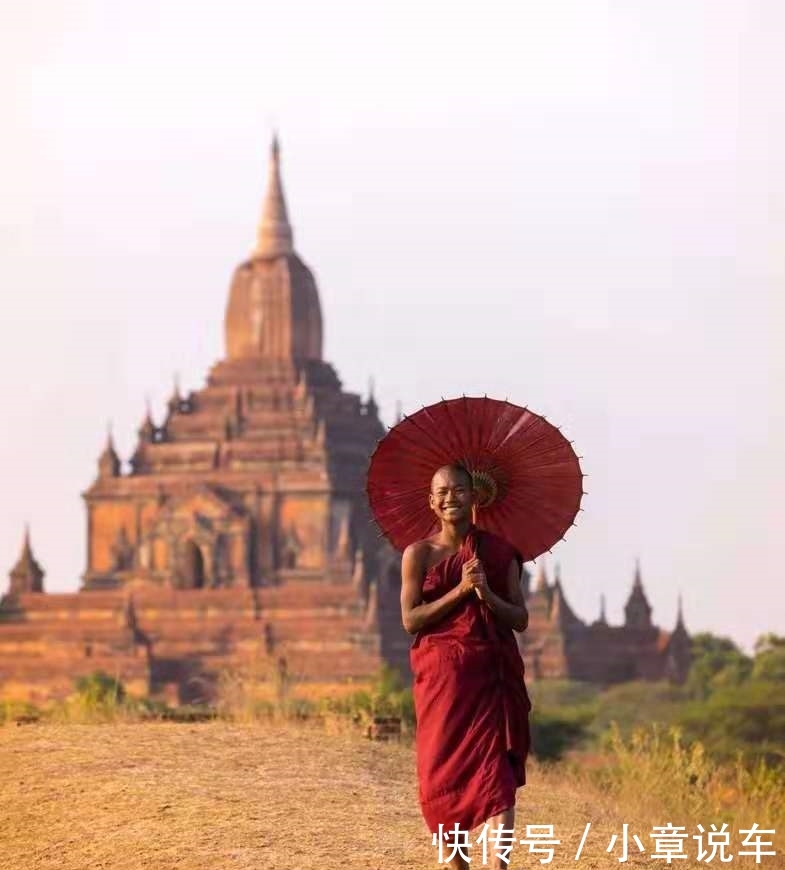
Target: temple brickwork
pixel 238 537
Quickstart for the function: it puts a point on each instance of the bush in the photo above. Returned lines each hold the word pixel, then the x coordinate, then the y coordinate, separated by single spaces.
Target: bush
pixel 716 663
pixel 99 689
pixel 554 733
pixel 746 721
pixel 550 694
pixel 97 697
pixel 387 696
pixel 629 705
pixel 769 663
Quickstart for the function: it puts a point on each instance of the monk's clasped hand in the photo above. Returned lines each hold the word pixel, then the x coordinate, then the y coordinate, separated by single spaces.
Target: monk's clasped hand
pixel 468 570
pixel 475 574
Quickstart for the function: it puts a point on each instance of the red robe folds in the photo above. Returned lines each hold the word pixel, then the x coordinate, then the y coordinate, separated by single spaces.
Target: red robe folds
pixel 470 698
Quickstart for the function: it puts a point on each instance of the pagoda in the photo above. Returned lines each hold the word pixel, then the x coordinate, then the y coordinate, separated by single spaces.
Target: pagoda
pixel 238 539
pixel 257 478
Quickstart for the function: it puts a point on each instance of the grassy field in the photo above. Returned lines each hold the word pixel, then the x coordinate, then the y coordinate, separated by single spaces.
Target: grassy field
pixel 269 795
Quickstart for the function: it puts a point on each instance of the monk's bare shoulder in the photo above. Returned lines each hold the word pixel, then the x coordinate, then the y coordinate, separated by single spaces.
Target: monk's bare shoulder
pixel 416 554
pixel 412 575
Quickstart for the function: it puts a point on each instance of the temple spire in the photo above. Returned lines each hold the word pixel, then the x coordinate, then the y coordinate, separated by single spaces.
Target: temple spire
pixel 370 406
pixel 27 549
pixel 174 401
pixel 26 575
pixel 147 429
pixel 602 620
pixel 679 614
pixel 637 610
pixel 560 610
pixel 109 461
pixel 274 236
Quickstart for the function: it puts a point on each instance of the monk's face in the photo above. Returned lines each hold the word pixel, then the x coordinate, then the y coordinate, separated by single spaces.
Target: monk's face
pixel 451 495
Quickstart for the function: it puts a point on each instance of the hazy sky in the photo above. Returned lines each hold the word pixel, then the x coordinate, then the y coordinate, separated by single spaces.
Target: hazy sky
pixel 576 205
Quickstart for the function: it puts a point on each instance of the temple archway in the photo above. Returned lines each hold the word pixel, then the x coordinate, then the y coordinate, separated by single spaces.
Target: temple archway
pixel 193 566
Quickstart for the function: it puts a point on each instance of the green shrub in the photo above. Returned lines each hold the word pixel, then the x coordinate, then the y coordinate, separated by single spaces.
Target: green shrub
pixel 98 697
pixel 99 689
pixel 716 663
pixel 769 665
pixel 554 733
pixel 746 720
pixel 550 694
pixel 632 704
pixel 387 696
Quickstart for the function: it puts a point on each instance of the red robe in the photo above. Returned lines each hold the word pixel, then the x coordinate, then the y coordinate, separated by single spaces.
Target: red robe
pixel 470 698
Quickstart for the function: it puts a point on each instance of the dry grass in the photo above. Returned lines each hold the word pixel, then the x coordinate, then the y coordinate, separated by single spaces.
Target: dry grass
pixel 258 795
pixel 655 767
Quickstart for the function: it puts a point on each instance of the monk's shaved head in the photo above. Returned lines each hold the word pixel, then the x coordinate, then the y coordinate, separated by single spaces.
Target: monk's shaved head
pixel 454 468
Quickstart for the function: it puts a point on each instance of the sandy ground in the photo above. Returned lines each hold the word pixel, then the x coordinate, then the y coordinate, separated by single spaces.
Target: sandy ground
pixel 216 795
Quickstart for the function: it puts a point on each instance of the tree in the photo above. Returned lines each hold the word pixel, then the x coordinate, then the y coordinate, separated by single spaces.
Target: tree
pixel 716 663
pixel 748 718
pixel 769 664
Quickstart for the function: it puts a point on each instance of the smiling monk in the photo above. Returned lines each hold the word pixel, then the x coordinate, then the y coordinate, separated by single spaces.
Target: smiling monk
pixel 461 597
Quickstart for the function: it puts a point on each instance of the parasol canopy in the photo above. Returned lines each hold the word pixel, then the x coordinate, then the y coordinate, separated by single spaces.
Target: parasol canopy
pixel 526 474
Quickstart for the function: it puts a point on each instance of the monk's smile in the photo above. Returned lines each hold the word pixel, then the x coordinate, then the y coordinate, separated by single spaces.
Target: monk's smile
pixel 451 495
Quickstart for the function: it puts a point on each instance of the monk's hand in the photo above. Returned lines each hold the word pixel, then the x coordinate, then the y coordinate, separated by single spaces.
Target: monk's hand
pixel 468 575
pixel 474 572
pixel 481 587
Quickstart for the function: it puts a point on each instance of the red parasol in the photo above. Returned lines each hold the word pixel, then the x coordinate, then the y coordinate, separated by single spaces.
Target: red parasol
pixel 527 474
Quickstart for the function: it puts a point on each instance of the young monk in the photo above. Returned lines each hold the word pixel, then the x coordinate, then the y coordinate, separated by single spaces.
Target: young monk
pixel 461 597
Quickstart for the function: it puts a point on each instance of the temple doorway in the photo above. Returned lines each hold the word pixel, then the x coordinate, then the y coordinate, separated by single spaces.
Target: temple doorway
pixel 193 566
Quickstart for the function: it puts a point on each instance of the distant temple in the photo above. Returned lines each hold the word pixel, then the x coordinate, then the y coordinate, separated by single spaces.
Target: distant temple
pixel 558 644
pixel 240 537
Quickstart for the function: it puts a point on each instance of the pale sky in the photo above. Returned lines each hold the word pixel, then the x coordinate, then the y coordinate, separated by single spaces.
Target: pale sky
pixel 576 205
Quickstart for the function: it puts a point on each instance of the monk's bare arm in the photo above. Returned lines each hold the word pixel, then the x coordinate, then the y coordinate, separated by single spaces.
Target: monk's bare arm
pixel 416 614
pixel 513 612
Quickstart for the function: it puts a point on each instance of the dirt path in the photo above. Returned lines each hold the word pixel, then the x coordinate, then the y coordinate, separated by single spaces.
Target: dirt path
pixel 214 796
